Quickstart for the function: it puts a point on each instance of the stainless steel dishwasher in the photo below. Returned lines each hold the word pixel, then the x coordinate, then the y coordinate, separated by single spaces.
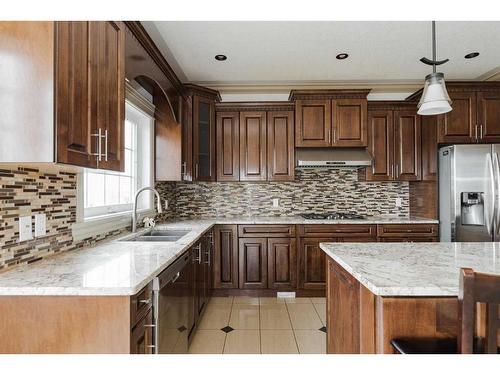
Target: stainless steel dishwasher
pixel 172 305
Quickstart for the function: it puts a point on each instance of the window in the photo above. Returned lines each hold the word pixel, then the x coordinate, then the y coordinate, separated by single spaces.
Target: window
pixel 107 192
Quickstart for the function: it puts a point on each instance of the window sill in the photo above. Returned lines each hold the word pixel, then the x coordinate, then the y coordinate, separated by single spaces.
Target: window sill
pixel 95 226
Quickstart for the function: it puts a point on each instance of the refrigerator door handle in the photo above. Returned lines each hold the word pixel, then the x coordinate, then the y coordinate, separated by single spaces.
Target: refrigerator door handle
pixel 496 169
pixel 489 195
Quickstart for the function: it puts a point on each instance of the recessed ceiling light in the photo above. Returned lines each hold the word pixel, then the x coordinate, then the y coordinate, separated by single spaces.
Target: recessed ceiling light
pixel 342 56
pixel 471 55
pixel 220 57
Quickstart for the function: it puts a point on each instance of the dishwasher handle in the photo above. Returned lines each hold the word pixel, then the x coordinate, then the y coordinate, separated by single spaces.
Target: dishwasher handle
pixel 176 276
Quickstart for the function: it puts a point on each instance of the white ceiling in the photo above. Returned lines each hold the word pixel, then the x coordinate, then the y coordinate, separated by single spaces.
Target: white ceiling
pixel 266 53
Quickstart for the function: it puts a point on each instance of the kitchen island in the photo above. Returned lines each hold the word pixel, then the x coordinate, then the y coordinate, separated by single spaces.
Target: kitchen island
pixel 379 291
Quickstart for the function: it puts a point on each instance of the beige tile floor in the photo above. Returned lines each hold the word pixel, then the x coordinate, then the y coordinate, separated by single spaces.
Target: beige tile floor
pixel 264 325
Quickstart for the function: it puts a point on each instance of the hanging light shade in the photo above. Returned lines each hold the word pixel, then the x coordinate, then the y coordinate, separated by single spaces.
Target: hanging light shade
pixel 435 99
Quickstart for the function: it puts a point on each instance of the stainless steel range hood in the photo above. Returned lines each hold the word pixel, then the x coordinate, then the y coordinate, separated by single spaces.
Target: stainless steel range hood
pixel 332 157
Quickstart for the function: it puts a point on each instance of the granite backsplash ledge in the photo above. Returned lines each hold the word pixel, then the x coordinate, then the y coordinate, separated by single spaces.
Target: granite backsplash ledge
pixel 319 190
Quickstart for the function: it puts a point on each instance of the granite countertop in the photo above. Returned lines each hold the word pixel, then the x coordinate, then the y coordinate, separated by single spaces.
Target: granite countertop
pixel 414 269
pixel 124 268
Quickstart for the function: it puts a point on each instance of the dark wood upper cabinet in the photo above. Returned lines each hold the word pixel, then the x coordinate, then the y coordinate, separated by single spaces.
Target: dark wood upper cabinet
pixel 394 141
pixel 282 263
pixel 380 145
pixel 107 92
pixel 90 94
pixel 225 267
pixel 429 148
pixel 330 118
pixel 253 149
pixel 280 146
pixel 407 145
pixel 228 146
pixel 313 123
pixel 475 113
pixel 459 125
pixel 253 263
pixel 74 130
pixel 198 144
pixel 203 139
pixel 488 116
pixel 349 123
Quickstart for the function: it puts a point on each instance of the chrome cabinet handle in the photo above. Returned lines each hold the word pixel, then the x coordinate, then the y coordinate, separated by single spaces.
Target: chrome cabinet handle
pixel 197 170
pixel 392 170
pixel 106 145
pixel 145 301
pixel 183 169
pixel 149 325
pixel 397 170
pixel 475 132
pixel 199 254
pixel 98 135
pixel 481 131
pixel 334 135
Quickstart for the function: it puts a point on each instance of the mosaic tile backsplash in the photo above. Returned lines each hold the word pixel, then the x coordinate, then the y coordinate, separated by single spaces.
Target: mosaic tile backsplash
pixel 28 191
pixel 320 190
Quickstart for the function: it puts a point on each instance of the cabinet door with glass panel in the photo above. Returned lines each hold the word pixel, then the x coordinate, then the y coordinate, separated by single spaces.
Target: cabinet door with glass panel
pixel 203 139
pixel 111 193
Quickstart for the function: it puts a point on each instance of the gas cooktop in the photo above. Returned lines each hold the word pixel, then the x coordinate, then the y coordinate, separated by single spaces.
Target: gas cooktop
pixel 332 216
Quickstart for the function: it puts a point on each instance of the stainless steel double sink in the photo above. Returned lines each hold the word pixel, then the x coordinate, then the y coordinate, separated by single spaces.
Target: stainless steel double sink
pixel 160 235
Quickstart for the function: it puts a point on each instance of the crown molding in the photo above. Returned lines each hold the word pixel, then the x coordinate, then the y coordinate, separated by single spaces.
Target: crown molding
pixel 286 87
pixel 254 106
pixel 149 45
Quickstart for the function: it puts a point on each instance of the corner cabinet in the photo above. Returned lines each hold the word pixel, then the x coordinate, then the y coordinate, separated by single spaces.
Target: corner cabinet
pixel 90 94
pixel 199 134
pixel 255 142
pixel 330 118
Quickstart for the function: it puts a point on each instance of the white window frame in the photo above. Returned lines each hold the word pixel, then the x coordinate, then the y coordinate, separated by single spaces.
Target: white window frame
pixel 86 227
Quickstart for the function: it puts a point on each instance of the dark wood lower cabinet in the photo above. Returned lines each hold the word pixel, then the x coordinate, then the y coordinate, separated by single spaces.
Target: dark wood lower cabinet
pixel 225 263
pixel 282 263
pixel 141 337
pixel 253 263
pixel 312 263
pixel 267 258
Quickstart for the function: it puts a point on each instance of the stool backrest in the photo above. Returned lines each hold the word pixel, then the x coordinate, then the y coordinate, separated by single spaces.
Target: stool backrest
pixel 478 287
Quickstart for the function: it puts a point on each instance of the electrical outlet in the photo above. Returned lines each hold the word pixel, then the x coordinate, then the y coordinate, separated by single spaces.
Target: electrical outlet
pixel 40 225
pixel 25 231
pixel 276 202
pixel 285 294
pixel 399 202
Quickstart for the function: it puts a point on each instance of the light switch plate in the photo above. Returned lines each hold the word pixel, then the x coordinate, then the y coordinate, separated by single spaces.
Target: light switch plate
pixel 40 225
pixel 276 202
pixel 25 231
pixel 399 202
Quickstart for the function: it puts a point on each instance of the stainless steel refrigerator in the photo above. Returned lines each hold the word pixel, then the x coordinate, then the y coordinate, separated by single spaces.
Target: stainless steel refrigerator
pixel 469 181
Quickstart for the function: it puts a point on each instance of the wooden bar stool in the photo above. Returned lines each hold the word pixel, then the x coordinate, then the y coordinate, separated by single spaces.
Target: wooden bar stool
pixel 474 287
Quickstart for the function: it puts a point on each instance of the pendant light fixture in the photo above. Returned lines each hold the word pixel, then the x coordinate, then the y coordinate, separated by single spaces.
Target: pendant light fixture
pixel 435 99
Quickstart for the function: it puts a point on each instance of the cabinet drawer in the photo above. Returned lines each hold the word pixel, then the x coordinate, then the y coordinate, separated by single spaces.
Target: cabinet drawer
pixel 337 230
pixel 140 304
pixel 409 239
pixel 266 230
pixel 406 230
